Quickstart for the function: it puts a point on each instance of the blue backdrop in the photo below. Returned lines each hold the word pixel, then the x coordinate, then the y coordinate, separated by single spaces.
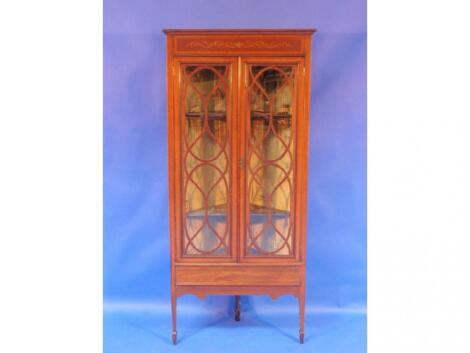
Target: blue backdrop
pixel 136 241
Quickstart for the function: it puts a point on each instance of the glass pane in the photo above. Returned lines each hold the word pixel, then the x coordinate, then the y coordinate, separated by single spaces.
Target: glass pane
pixel 270 161
pixel 205 161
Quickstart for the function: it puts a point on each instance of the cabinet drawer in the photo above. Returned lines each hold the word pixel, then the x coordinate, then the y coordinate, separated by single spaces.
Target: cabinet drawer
pixel 242 275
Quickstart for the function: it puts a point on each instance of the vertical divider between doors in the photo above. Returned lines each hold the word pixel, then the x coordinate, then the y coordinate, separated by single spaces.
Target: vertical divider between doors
pixel 234 212
pixel 241 157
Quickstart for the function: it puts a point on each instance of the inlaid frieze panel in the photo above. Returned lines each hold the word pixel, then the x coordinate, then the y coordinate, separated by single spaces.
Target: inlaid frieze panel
pixel 216 45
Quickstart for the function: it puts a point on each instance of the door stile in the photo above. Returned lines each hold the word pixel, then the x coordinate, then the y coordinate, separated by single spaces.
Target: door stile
pixel 177 98
pixel 234 155
pixel 300 161
pixel 242 133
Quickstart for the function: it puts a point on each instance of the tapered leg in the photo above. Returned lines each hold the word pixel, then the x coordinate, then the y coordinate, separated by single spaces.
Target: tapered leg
pixel 301 316
pixel 173 317
pixel 237 308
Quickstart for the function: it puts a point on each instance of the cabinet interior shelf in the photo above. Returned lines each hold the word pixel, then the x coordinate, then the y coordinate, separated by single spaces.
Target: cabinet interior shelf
pixel 256 115
pixel 210 115
pixel 258 214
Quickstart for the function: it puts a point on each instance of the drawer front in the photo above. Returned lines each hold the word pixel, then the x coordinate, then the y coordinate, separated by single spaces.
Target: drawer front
pixel 237 275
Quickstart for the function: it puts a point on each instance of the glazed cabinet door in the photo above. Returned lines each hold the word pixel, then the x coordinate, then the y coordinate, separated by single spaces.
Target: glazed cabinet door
pixel 270 113
pixel 205 105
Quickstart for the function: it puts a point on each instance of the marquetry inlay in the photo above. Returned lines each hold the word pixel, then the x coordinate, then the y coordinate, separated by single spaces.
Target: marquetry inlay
pixel 247 44
pixel 238 44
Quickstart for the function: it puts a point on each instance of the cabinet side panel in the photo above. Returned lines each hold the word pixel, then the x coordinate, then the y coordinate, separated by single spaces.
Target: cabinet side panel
pixel 304 134
pixel 171 154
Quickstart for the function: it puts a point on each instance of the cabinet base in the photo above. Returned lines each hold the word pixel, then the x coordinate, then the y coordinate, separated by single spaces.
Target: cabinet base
pixel 274 292
pixel 203 291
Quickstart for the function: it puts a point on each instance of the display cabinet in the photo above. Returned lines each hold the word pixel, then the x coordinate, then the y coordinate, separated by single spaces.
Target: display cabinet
pixel 238 123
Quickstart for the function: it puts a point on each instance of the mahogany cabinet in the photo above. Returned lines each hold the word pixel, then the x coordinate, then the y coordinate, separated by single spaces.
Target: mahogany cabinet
pixel 238 122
